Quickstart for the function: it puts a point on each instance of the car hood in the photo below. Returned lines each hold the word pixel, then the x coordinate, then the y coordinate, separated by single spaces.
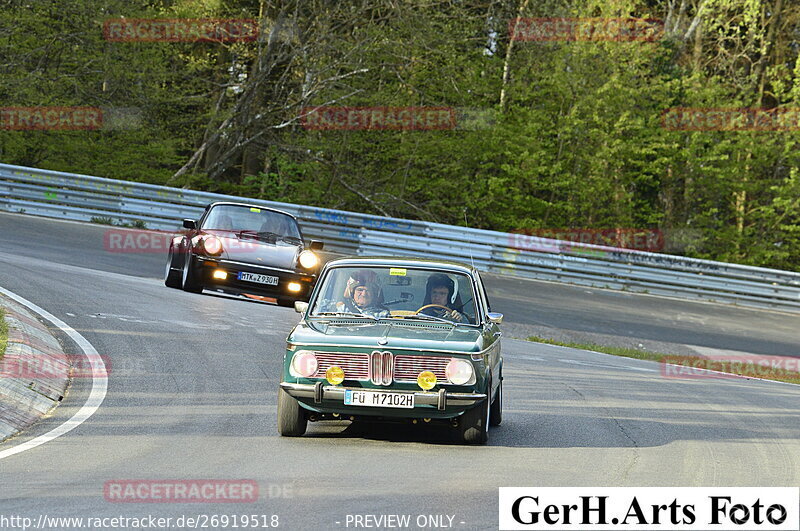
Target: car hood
pixel 395 334
pixel 280 254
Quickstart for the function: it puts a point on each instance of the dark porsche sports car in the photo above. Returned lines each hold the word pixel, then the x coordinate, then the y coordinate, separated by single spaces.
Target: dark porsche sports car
pixel 244 249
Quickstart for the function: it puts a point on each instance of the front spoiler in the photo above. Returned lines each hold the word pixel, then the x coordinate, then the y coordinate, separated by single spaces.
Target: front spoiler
pixel 319 392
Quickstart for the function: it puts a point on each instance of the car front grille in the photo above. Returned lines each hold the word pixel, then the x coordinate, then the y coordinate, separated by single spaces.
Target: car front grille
pixel 355 366
pixel 382 367
pixel 407 368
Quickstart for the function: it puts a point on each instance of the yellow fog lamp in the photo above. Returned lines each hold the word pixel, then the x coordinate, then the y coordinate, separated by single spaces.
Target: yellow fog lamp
pixel 426 380
pixel 220 274
pixel 334 375
pixel 294 287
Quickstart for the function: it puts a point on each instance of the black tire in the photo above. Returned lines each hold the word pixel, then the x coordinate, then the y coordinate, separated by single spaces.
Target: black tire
pixel 292 421
pixel 172 277
pixel 496 411
pixel 286 303
pixel 473 426
pixel 189 280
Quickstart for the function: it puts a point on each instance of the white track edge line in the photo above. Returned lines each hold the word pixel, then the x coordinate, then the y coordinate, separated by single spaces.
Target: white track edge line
pixel 99 381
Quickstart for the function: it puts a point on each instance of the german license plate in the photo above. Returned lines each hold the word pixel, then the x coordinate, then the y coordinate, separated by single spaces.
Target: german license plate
pixel 378 399
pixel 258 279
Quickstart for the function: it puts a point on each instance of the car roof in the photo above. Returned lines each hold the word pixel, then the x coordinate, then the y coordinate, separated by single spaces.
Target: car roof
pixel 249 205
pixel 395 261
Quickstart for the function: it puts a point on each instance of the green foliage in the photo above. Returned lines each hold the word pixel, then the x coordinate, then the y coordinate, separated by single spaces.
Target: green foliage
pixel 106 220
pixel 575 140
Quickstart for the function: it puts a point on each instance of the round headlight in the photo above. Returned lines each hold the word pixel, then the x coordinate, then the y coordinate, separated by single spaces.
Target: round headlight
pixel 426 380
pixel 460 372
pixel 304 364
pixel 334 375
pixel 308 259
pixel 212 245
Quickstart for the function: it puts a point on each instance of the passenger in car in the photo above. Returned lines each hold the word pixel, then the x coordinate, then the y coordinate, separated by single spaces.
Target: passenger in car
pixel 439 290
pixel 362 295
pixel 224 223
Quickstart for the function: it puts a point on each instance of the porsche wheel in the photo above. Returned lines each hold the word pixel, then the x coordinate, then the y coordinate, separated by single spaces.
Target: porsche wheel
pixel 189 281
pixel 172 275
pixel 292 421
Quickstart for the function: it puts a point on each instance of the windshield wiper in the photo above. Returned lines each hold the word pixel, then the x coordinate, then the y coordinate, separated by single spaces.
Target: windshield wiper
pixel 344 314
pixel 431 317
pixel 260 236
pixel 269 236
pixel 247 233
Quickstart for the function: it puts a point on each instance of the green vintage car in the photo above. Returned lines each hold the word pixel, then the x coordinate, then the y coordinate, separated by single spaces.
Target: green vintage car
pixel 408 340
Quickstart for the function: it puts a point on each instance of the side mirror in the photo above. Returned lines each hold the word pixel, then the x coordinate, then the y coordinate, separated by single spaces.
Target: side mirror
pixel 495 317
pixel 189 224
pixel 300 306
pixel 315 245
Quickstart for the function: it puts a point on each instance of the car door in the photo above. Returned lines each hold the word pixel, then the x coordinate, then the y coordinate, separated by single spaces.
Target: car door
pixel 491 334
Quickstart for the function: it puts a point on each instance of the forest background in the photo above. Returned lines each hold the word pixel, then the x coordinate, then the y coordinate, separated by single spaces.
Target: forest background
pixel 554 133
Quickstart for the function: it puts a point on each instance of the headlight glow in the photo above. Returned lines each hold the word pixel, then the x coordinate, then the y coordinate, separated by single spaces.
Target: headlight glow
pixel 212 245
pixel 460 372
pixel 304 364
pixel 308 259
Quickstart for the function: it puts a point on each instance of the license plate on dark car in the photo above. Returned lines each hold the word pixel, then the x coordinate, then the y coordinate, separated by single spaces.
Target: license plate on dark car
pixel 378 399
pixel 258 279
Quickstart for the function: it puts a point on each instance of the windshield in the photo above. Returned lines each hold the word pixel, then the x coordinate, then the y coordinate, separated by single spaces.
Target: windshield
pixel 397 293
pixel 252 220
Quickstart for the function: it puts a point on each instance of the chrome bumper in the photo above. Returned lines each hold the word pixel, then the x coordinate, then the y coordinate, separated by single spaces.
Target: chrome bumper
pixel 319 392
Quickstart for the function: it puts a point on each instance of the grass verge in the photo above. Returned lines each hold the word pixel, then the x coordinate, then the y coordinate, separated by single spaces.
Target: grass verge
pixel 688 365
pixel 3 333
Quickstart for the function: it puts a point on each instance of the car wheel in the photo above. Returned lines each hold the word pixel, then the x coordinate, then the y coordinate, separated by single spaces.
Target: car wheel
pixel 172 275
pixel 496 411
pixel 189 281
pixel 474 424
pixel 292 419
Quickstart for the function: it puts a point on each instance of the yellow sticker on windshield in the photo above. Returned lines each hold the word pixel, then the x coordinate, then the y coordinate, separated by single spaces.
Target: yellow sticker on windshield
pixel 255 210
pixel 397 272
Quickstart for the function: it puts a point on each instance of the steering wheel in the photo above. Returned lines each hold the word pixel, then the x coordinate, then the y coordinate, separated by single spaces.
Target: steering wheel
pixel 431 306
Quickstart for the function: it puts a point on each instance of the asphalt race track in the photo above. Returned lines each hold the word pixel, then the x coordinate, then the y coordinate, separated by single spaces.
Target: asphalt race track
pixel 193 382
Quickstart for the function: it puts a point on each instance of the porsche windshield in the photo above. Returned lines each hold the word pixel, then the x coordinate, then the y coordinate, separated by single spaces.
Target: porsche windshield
pixel 251 221
pixel 396 292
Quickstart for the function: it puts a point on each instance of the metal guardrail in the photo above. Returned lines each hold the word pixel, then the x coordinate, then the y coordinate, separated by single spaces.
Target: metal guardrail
pixel 86 198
